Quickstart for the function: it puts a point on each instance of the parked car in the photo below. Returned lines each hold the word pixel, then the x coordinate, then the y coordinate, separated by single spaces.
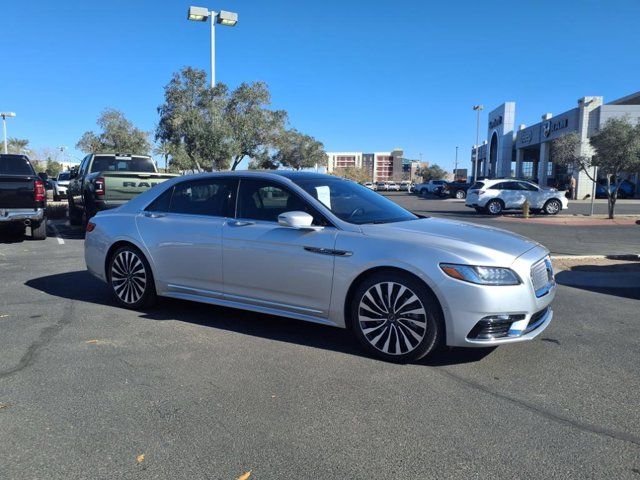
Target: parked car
pixel 625 190
pixel 456 189
pixel 107 180
pixel 432 186
pixel 60 186
pixel 318 248
pixel 496 195
pixel 369 185
pixel 393 187
pixel 381 186
pixel 23 198
pixel 405 186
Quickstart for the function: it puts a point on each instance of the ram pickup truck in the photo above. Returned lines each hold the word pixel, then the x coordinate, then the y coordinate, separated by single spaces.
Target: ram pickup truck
pixel 107 180
pixel 23 199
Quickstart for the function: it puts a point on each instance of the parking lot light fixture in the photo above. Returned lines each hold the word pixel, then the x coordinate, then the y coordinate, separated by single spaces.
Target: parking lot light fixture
pixel 202 14
pixel 4 116
pixel 477 108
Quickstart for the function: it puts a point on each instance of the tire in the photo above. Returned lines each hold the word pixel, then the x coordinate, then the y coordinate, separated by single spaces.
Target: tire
pixel 75 215
pixel 552 207
pixel 461 194
pixel 130 278
pixel 376 328
pixel 56 198
pixel 39 231
pixel 495 207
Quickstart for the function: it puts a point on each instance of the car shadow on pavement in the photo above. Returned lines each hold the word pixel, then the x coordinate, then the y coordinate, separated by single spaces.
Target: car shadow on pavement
pixel 620 280
pixel 82 286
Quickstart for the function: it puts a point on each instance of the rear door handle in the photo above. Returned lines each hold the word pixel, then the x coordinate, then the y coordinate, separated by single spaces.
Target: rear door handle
pixel 240 223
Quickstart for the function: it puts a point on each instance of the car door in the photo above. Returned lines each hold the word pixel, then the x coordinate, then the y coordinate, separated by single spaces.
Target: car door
pixel 182 229
pixel 75 185
pixel 534 194
pixel 273 266
pixel 512 195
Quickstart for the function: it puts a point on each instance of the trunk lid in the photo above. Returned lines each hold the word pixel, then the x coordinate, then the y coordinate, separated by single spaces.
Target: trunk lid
pixel 127 185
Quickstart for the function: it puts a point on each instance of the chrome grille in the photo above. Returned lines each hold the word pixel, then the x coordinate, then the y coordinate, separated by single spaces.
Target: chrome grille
pixel 542 276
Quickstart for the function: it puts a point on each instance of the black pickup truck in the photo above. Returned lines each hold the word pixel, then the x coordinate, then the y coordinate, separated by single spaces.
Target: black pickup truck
pixel 23 199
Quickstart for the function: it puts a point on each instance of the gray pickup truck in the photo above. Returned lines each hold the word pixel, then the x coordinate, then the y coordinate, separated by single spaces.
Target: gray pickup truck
pixel 108 180
pixel 23 199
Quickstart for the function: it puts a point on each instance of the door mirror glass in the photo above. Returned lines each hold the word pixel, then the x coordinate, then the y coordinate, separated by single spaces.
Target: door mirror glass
pixel 295 219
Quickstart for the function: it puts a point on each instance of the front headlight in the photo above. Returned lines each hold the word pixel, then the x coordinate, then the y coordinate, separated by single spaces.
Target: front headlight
pixel 481 275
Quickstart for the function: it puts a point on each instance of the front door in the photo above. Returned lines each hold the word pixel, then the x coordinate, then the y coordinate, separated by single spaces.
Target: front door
pixel 182 230
pixel 272 266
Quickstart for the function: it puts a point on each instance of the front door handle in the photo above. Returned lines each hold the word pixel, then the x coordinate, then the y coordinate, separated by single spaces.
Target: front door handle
pixel 240 223
pixel 153 214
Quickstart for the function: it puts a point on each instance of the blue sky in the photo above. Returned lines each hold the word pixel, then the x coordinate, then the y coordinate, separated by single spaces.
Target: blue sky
pixel 358 75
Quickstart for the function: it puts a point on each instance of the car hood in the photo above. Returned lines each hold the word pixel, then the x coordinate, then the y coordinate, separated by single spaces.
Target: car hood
pixel 63 183
pixel 474 243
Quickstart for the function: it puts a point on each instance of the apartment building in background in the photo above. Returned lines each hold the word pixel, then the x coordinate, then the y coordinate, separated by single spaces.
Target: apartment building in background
pixel 382 166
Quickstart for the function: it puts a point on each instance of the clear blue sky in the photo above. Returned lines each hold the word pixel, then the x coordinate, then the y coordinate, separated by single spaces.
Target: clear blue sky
pixel 358 75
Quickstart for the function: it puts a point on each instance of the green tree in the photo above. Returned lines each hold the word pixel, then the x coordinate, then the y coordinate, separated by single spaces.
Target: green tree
pixel 297 150
pixel 118 135
pixel 53 168
pixel 431 172
pixel 254 128
pixel 18 145
pixel 616 150
pixel 357 174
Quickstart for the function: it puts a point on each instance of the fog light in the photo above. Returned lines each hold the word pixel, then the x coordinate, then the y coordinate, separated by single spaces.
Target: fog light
pixel 493 326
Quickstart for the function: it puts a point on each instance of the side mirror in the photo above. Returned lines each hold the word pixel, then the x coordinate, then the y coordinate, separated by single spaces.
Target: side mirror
pixel 43 176
pixel 73 173
pixel 296 220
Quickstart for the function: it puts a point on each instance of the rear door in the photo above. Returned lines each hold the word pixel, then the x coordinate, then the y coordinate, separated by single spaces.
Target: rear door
pixel 182 230
pixel 272 266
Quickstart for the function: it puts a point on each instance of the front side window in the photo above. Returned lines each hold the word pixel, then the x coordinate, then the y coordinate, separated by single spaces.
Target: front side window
pixel 210 197
pixel 265 200
pixel 352 202
pixel 527 186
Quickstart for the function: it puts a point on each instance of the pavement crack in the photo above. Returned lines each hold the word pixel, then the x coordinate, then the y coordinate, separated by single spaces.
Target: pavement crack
pixel 46 335
pixel 548 414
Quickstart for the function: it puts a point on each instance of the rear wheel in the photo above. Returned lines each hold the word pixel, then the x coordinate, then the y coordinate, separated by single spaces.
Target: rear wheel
pixel 75 215
pixel 395 317
pixel 130 278
pixel 552 207
pixel 460 194
pixel 495 207
pixel 39 230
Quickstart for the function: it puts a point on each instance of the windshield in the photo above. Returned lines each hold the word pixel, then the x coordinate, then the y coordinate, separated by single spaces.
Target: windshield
pixel 15 165
pixel 63 176
pixel 354 203
pixel 113 164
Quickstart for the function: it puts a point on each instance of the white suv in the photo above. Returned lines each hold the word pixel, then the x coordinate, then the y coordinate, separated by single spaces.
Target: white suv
pixel 498 194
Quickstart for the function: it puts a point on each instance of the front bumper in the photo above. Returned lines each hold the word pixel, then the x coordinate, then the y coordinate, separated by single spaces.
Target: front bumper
pixel 465 305
pixel 21 214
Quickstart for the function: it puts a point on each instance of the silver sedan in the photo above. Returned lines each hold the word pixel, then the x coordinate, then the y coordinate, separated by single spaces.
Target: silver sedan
pixel 326 250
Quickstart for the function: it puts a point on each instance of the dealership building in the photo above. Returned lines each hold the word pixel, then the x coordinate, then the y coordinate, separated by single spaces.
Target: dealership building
pixel 525 152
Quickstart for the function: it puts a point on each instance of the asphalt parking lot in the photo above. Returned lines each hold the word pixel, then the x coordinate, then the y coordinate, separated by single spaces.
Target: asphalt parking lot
pixel 90 390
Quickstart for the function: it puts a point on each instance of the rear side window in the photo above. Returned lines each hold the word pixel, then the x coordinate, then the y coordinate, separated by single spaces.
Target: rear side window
pixel 476 186
pixel 162 203
pixel 500 186
pixel 211 197
pixel 15 165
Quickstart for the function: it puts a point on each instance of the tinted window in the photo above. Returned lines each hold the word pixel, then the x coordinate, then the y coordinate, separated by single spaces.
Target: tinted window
pixel 265 200
pixel 15 165
pixel 476 186
pixel 352 202
pixel 527 186
pixel 203 197
pixel 161 204
pixel 63 176
pixel 104 163
pixel 500 186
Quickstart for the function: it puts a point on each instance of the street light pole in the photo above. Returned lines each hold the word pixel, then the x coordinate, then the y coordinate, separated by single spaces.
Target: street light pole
pixel 477 108
pixel 4 116
pixel 202 14
pixel 455 166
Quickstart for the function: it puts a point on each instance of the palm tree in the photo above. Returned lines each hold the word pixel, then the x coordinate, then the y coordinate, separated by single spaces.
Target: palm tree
pixel 17 145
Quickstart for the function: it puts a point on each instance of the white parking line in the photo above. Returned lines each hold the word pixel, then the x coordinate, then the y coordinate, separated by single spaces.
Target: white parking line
pixel 57 233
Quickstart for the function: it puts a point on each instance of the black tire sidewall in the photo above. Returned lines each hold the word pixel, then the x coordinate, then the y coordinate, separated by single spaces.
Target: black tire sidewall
pixel 148 298
pixel 460 194
pixel 549 202
pixel 497 202
pixel 435 324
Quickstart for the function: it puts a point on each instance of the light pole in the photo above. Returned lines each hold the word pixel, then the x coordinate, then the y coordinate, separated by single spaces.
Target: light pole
pixel 202 14
pixel 455 166
pixel 477 108
pixel 4 116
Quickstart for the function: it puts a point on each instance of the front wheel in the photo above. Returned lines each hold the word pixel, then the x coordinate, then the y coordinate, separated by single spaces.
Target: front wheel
pixel 395 317
pixel 552 207
pixel 461 194
pixel 130 278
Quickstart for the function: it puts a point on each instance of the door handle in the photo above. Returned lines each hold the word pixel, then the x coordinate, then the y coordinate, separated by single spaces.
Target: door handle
pixel 240 223
pixel 153 214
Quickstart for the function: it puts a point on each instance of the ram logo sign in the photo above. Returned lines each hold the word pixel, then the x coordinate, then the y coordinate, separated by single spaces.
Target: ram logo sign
pixel 139 184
